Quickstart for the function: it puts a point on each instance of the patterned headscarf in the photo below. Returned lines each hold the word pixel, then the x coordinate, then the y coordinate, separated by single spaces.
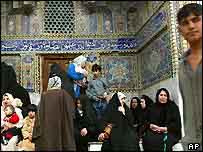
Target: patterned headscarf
pixel 54 83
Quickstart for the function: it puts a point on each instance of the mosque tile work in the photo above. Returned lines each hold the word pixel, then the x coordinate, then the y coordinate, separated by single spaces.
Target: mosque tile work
pixel 119 70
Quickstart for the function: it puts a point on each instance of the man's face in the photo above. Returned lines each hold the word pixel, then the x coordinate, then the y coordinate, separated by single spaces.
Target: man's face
pixel 191 28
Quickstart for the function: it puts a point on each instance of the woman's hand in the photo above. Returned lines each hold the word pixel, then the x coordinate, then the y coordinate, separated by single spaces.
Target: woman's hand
pixel 154 127
pixel 101 137
pixel 157 128
pixel 83 132
pixel 121 109
pixel 162 129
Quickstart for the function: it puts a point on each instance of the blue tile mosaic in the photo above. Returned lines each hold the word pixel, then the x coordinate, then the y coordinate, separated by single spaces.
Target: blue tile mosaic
pixel 119 71
pixel 156 60
pixel 66 45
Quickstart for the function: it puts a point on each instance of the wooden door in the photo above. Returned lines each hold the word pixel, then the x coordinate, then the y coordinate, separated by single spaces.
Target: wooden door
pixel 48 60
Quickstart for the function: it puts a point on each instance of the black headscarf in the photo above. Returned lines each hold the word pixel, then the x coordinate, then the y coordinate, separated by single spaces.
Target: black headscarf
pixel 137 111
pixel 148 100
pixel 144 112
pixel 123 136
pixel 162 107
pixel 112 115
pixel 115 102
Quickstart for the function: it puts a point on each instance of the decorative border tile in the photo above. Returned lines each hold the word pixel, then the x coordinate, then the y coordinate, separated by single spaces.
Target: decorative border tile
pixel 67 45
pixel 153 26
pixel 76 44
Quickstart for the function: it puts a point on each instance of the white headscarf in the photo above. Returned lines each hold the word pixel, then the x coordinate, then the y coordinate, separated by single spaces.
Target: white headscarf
pixel 120 95
pixel 79 60
pixel 17 102
pixel 10 97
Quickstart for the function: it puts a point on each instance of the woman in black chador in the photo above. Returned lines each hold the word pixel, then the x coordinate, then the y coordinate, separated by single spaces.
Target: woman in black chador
pixel 164 124
pixel 117 126
pixel 145 103
pixel 136 109
pixel 10 85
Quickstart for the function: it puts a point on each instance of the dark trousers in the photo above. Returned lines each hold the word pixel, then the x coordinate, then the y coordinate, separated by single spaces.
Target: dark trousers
pixel 100 107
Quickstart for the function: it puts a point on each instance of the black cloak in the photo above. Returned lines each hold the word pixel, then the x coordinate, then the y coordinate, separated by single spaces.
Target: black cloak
pixel 123 136
pixel 53 129
pixel 164 115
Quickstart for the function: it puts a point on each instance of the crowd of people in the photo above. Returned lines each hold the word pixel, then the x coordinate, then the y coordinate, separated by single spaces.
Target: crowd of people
pixel 74 111
pixel 68 121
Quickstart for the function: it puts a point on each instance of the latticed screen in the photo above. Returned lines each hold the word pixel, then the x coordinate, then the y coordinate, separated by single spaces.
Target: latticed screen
pixel 59 17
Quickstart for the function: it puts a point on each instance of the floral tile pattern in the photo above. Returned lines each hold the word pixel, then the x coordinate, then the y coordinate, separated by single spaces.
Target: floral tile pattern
pixel 119 71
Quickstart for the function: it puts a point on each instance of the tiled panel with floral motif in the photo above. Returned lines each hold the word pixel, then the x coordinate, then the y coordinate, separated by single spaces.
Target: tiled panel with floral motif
pixel 119 71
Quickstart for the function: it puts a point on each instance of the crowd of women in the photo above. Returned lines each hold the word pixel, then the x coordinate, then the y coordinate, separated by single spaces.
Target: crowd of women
pixel 74 111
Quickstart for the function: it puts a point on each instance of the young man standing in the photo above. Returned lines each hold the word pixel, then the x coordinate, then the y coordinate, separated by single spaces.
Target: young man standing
pixel 190 74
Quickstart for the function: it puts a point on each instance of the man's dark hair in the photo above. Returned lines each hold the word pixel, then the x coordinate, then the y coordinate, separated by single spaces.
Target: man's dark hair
pixel 32 107
pixel 187 10
pixel 55 70
pixel 96 67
